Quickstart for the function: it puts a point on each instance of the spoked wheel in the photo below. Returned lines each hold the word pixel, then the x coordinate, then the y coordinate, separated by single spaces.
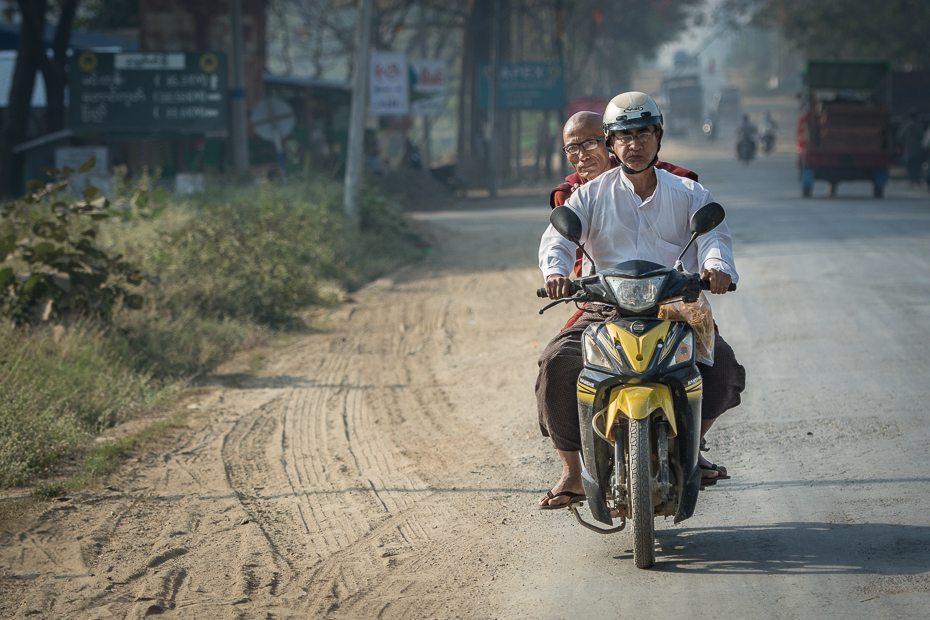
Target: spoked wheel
pixel 644 536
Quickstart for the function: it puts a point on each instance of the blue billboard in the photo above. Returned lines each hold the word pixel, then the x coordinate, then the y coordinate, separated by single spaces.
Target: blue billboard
pixel 524 86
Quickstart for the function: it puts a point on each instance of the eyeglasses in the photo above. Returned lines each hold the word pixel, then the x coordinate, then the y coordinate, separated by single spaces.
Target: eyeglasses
pixel 627 139
pixel 588 145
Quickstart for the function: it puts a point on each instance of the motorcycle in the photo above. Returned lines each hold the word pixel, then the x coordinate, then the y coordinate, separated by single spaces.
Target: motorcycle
pixel 639 393
pixel 746 147
pixel 767 139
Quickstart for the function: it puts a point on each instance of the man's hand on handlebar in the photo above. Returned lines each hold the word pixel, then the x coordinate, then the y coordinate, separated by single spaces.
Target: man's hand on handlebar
pixel 719 280
pixel 558 287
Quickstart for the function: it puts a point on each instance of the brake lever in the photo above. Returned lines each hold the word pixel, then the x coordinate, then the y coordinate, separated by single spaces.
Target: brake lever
pixel 561 301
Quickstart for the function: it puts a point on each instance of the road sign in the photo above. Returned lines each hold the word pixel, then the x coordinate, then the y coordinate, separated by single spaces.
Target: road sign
pixel 389 84
pixel 273 119
pixel 428 83
pixel 148 92
pixel 524 86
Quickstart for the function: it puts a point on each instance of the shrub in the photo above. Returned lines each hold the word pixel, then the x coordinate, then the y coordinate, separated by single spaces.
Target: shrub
pixel 50 262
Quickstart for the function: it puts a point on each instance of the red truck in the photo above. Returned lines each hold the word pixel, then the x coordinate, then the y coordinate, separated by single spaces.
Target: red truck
pixel 844 124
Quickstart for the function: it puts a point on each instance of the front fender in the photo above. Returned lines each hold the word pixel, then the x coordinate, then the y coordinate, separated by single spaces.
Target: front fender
pixel 638 402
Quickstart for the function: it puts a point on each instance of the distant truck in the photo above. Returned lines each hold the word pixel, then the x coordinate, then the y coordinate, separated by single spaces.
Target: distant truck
pixel 684 102
pixel 844 124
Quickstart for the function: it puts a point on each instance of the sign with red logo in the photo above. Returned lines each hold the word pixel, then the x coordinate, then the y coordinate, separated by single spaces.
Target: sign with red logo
pixel 428 87
pixel 389 84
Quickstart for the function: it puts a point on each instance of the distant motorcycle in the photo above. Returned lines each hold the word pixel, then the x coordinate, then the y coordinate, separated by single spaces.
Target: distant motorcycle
pixel 746 143
pixel 746 149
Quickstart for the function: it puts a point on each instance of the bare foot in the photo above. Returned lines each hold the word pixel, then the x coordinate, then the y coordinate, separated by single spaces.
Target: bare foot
pixel 570 482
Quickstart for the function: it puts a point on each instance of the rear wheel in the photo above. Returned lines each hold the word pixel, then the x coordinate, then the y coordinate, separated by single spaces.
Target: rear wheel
pixel 644 540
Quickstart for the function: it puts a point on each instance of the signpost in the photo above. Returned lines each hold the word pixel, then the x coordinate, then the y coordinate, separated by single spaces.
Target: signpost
pixel 524 86
pixel 149 92
pixel 273 120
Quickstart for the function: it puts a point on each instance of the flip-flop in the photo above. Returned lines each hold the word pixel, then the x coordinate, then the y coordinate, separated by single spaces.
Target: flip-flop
pixel 712 467
pixel 573 498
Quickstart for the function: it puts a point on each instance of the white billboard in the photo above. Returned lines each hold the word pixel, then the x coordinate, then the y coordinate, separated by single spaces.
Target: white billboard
pixel 389 84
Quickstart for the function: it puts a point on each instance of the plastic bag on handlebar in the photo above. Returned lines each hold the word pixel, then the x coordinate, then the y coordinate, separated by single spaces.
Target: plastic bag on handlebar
pixel 701 319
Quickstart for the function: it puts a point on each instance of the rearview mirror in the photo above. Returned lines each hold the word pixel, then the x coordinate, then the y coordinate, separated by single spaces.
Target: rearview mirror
pixel 568 223
pixel 706 218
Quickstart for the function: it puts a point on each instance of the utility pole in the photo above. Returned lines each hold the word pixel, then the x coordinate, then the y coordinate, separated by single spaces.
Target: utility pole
pixel 426 155
pixel 240 130
pixel 492 99
pixel 355 156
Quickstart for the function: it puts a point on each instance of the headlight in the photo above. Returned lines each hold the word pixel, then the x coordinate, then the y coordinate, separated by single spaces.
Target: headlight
pixel 684 352
pixel 636 295
pixel 593 355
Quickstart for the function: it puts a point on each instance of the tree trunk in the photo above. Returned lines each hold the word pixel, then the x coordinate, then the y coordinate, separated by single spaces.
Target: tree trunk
pixel 16 118
pixel 54 71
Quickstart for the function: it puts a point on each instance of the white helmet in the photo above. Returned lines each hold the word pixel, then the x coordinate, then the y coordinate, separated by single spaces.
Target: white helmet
pixel 630 111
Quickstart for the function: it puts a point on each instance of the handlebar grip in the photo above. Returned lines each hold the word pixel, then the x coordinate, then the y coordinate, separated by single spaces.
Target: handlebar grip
pixel 705 286
pixel 541 292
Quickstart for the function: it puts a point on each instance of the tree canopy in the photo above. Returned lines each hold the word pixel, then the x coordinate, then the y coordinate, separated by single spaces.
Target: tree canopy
pixel 894 30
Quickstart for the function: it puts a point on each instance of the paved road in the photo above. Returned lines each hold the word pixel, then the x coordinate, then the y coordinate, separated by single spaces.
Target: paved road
pixel 826 514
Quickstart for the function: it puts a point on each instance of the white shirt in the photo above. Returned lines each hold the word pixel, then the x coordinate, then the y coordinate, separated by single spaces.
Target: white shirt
pixel 617 226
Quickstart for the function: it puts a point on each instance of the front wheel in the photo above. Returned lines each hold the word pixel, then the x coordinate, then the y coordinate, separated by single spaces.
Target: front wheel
pixel 644 542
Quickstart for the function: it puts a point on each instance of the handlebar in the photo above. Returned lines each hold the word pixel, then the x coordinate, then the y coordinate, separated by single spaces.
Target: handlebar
pixel 705 285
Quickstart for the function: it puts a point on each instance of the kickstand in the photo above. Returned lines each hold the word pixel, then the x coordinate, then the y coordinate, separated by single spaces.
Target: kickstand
pixel 594 528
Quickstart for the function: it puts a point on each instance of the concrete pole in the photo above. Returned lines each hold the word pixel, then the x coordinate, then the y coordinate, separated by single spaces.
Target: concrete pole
pixel 355 159
pixel 426 157
pixel 240 128
pixel 492 99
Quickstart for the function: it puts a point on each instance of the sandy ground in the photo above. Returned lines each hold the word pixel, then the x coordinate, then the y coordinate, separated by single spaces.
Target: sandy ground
pixel 389 465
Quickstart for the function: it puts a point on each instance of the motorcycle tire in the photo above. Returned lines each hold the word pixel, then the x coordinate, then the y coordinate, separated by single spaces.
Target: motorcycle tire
pixel 644 536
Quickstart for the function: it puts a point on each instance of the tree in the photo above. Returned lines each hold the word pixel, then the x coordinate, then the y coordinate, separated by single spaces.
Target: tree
pixel 32 56
pixel 896 30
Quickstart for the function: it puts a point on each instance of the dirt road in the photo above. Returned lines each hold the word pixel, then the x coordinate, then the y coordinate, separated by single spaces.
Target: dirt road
pixel 389 465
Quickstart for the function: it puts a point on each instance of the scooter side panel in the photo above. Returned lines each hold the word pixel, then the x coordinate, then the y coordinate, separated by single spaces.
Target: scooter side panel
pixel 689 441
pixel 597 453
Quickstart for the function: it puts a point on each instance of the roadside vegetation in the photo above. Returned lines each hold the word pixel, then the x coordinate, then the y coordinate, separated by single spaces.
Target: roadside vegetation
pixel 110 305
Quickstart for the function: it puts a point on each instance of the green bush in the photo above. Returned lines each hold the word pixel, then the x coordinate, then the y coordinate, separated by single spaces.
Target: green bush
pixel 260 260
pixel 51 265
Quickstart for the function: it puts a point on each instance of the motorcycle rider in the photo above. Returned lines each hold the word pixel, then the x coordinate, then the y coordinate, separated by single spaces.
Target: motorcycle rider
pixel 634 212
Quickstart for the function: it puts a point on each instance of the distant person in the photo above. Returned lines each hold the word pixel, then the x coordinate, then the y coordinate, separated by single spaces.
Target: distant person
pixel 926 145
pixel 910 137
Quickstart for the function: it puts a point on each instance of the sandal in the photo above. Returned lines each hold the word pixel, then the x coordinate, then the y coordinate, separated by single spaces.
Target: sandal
pixel 573 498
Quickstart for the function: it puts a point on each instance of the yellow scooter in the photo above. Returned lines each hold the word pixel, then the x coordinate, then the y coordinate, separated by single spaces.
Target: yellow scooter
pixel 639 394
